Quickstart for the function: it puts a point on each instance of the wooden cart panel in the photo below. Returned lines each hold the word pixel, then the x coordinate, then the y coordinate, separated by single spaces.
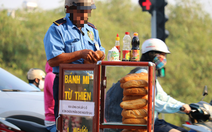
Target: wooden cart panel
pixel 82 89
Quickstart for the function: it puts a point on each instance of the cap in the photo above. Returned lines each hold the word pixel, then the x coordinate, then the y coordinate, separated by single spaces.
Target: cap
pixel 81 4
pixel 128 33
pixel 35 73
pixel 117 37
pixel 135 34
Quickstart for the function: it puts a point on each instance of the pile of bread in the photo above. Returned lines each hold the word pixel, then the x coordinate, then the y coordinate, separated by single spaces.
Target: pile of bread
pixel 134 104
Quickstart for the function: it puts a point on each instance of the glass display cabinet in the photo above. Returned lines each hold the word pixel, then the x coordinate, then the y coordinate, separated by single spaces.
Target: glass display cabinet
pixel 84 99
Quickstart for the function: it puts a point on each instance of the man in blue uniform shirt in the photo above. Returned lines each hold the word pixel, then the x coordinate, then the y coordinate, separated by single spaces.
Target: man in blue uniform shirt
pixel 72 40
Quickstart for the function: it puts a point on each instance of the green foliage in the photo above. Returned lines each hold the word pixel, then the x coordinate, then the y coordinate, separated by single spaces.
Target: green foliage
pixel 21 40
pixel 189 65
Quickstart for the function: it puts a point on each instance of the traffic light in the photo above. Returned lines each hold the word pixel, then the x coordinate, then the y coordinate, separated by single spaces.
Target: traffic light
pixel 147 5
pixel 161 19
pixel 161 32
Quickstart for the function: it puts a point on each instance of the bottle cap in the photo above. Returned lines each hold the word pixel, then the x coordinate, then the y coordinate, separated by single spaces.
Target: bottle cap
pixel 117 37
pixel 135 34
pixel 127 33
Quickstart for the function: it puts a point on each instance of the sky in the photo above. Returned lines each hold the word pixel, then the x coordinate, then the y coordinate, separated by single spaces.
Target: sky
pixel 45 4
pixel 51 4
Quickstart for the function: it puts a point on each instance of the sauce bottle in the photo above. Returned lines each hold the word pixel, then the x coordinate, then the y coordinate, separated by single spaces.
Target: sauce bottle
pixel 126 47
pixel 135 50
pixel 117 44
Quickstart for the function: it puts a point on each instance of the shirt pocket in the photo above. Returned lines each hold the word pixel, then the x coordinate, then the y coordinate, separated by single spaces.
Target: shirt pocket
pixel 72 45
pixel 90 45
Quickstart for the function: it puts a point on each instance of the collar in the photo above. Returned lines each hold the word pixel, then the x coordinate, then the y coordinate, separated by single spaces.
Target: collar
pixel 68 21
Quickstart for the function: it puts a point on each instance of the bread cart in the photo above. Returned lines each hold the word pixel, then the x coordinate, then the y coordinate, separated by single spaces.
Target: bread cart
pixel 82 92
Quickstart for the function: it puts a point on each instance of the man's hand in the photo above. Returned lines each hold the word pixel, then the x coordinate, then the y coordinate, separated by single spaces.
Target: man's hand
pixel 101 55
pixel 89 56
pixel 187 108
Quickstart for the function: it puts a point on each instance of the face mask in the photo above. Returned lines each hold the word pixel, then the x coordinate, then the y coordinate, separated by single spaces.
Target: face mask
pixel 160 61
pixel 41 84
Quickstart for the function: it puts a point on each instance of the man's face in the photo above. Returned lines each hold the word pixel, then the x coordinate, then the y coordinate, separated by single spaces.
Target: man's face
pixel 80 17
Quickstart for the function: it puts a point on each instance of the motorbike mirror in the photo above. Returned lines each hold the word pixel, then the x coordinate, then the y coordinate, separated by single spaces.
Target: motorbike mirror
pixel 205 91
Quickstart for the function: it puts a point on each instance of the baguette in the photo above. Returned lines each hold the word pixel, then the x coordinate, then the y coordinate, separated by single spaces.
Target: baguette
pixel 139 113
pixel 134 118
pixel 134 76
pixel 134 84
pixel 134 91
pixel 134 121
pixel 133 104
pixel 133 97
pixel 134 130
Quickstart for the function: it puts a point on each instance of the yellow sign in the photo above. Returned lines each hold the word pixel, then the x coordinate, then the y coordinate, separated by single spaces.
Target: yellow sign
pixel 75 79
pixel 75 129
pixel 79 95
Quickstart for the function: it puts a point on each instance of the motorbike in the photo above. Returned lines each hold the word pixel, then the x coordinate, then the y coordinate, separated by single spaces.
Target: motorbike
pixel 200 117
pixel 18 125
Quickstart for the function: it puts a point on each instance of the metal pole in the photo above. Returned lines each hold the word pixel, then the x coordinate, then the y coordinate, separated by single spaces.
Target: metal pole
pixel 153 24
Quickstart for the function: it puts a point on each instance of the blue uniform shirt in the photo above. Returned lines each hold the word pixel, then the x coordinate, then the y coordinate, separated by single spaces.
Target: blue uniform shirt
pixel 67 38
